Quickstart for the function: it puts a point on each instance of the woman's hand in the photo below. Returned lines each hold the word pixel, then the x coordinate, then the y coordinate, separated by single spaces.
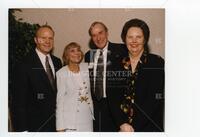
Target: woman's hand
pixel 126 128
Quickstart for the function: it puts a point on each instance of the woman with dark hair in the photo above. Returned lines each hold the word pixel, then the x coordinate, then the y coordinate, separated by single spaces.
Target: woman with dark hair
pixel 74 111
pixel 141 87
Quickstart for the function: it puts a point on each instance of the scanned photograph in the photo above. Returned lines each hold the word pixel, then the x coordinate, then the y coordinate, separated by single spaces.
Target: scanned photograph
pixel 86 70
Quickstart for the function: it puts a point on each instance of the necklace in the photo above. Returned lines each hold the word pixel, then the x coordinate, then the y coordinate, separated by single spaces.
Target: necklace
pixel 74 68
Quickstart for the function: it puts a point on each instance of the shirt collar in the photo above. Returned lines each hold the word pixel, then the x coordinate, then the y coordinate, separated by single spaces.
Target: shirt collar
pixel 104 49
pixel 41 55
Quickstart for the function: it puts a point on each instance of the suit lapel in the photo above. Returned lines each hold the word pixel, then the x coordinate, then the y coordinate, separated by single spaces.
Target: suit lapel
pixel 40 70
pixel 108 63
pixel 109 57
pixel 91 69
pixel 55 63
pixel 109 66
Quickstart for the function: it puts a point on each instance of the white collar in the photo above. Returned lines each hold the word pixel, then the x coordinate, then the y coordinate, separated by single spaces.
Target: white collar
pixel 41 55
pixel 104 49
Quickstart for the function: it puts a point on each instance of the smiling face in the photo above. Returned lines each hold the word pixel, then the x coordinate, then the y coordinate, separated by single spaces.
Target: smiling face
pixel 99 35
pixel 74 55
pixel 44 40
pixel 135 41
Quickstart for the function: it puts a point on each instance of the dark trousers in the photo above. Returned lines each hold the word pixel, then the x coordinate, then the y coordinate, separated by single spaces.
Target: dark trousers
pixel 103 119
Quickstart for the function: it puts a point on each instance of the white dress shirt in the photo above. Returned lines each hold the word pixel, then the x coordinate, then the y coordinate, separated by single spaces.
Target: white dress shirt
pixel 96 57
pixel 43 59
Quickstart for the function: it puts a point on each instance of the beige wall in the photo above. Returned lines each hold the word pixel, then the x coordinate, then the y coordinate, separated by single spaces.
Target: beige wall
pixel 72 24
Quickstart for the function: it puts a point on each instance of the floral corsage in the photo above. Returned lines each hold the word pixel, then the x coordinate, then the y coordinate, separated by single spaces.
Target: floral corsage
pixel 126 63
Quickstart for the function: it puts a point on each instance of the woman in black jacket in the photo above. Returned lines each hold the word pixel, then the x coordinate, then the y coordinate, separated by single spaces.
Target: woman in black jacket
pixel 138 99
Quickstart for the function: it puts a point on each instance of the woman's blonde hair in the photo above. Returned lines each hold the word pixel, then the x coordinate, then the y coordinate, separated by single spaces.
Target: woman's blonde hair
pixel 66 51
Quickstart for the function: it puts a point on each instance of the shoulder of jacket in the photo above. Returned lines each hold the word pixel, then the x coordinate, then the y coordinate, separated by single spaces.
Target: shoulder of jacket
pixel 155 57
pixel 155 60
pixel 55 58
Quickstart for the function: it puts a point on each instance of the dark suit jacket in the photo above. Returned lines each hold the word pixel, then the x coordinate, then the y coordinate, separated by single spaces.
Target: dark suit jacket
pixel 115 53
pixel 149 95
pixel 33 101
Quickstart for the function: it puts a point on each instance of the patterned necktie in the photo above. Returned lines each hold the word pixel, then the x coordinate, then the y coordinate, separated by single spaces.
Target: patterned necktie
pixel 99 77
pixel 49 73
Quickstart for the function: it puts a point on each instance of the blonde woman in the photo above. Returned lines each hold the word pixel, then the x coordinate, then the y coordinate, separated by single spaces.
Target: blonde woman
pixel 74 111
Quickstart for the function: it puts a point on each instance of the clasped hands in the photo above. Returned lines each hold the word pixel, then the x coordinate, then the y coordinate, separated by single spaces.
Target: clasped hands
pixel 126 128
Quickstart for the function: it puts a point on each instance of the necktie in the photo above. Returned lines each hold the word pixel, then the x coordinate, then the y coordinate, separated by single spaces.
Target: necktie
pixel 49 73
pixel 99 77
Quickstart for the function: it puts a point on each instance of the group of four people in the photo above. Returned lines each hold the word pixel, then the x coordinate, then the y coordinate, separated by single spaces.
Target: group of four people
pixel 120 87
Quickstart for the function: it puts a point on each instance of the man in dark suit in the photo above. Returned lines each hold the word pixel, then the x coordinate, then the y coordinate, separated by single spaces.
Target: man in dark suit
pixel 101 61
pixel 33 86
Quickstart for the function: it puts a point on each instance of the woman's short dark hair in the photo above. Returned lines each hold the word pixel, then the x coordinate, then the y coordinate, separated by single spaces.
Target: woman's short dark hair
pixel 136 23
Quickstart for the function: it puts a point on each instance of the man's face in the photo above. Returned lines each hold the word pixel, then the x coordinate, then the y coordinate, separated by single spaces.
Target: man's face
pixel 99 36
pixel 44 40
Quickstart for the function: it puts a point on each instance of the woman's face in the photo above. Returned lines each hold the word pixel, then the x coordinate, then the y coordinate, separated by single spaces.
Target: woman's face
pixel 135 41
pixel 74 55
